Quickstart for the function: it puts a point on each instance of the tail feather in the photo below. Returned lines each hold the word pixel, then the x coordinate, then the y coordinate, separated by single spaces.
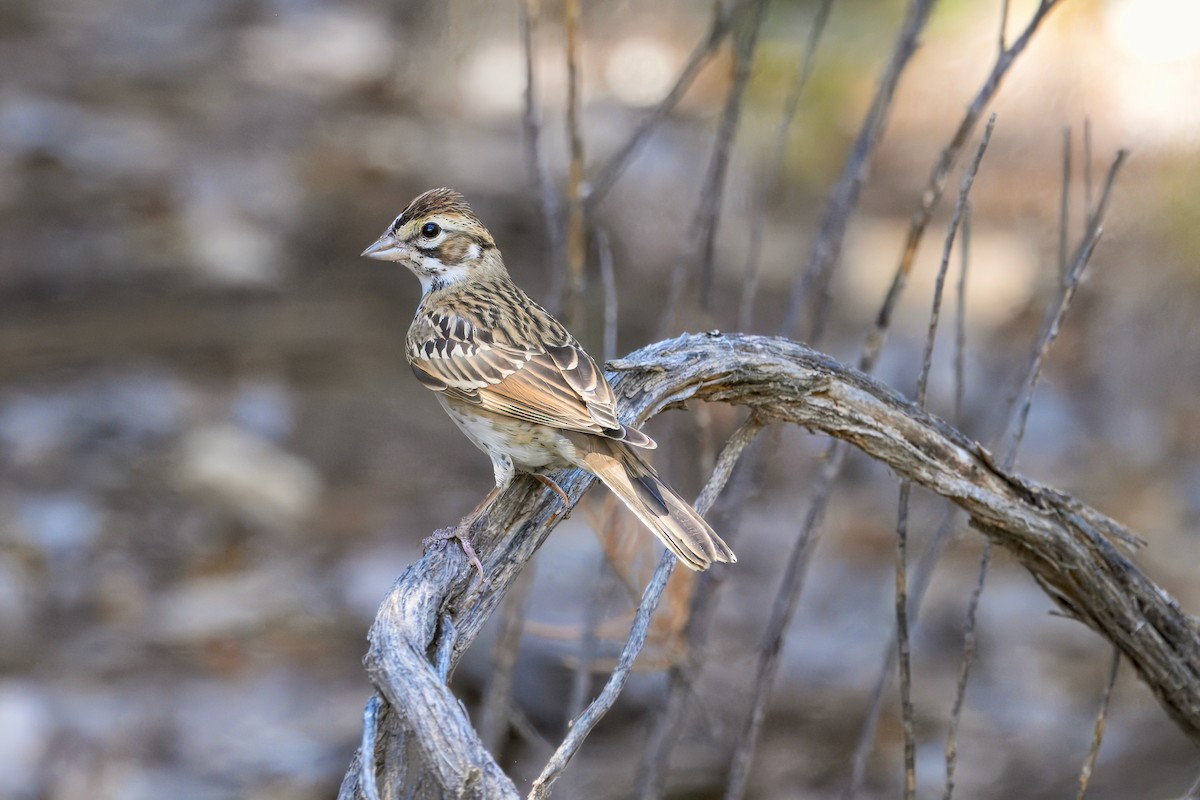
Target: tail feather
pixel 657 505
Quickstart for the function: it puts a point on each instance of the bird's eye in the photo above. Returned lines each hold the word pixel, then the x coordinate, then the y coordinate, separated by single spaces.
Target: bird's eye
pixel 430 230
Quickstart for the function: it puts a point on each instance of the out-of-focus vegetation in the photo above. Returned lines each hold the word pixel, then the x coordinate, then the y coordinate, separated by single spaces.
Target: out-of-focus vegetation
pixel 213 460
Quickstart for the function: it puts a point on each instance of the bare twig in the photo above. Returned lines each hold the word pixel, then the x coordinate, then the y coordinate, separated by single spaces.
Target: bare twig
pixel 793 582
pixel 708 214
pixel 524 728
pixel 539 174
pixel 1064 210
pixel 702 232
pixel 964 195
pixel 960 317
pixel 593 614
pixel 964 670
pixel 904 609
pixel 584 723
pixel 608 279
pixel 1089 764
pixel 1020 413
pixel 959 394
pixel 576 221
pixel 903 649
pixel 1087 169
pixel 923 574
pixel 727 460
pixel 782 611
pixel 827 247
pixel 724 15
pixel 774 171
pixel 1056 313
pixel 662 738
pixel 932 194
pixel 1003 31
pixel 825 252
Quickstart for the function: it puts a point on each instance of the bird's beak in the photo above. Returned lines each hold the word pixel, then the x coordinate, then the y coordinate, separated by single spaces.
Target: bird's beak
pixel 386 248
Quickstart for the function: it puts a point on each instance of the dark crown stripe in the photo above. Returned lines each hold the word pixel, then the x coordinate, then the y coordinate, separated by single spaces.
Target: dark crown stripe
pixel 437 201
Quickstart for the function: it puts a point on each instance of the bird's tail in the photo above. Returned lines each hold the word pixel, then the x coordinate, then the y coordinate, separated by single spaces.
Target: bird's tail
pixel 669 516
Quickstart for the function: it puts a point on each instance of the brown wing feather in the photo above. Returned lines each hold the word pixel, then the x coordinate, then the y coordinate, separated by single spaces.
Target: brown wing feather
pixel 560 386
pixel 581 374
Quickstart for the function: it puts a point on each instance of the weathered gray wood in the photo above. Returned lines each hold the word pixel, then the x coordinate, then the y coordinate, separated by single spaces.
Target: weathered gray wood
pixel 1072 549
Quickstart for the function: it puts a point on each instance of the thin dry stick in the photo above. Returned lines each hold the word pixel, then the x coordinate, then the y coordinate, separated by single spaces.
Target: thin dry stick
pixel 608 280
pixel 525 729
pixel 960 207
pixel 1020 413
pixel 1093 230
pixel 964 250
pixel 1087 168
pixel 702 232
pixel 782 611
pixel 602 588
pixel 593 615
pixel 960 317
pixel 903 650
pixel 709 213
pixel 920 583
pixel 724 15
pixel 900 645
pixel 1089 764
pixel 793 578
pixel 576 222
pixel 539 174
pixel 827 247
pixel 792 582
pixel 932 193
pixel 660 743
pixel 774 173
pixel 964 668
pixel 583 724
pixel 656 753
pixel 494 716
pixel 1003 24
pixel 1064 207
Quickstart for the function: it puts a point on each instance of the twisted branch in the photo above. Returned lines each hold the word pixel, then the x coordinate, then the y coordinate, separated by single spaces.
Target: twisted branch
pixel 438 607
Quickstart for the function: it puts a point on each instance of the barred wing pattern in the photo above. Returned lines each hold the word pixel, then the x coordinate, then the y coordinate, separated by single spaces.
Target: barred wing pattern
pixel 558 385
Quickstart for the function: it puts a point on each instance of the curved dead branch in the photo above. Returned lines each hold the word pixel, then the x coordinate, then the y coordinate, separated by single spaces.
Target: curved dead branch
pixel 437 607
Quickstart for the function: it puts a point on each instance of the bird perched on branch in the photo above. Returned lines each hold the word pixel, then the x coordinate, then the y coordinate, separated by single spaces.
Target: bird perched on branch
pixel 516 382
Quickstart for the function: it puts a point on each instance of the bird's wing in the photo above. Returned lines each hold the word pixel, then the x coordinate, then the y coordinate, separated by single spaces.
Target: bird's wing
pixel 558 384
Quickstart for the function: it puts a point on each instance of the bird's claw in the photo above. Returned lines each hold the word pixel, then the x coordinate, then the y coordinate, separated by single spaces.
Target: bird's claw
pixel 549 482
pixel 464 540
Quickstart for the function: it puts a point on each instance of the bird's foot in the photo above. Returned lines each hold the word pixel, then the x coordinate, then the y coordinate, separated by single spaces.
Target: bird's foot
pixel 462 533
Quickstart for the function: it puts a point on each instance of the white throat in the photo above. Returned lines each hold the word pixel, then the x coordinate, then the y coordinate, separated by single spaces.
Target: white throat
pixel 435 275
pixel 445 276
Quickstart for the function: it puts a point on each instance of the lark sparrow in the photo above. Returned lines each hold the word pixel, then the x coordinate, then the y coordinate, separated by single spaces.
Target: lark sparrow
pixel 516 382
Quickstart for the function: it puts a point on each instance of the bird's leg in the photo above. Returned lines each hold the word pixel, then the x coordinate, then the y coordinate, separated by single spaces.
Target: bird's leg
pixel 477 512
pixel 549 482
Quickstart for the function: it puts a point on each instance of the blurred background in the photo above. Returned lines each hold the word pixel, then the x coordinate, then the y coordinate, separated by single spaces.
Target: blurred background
pixel 214 461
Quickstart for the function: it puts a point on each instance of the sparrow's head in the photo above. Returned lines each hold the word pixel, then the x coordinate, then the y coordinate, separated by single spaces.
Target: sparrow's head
pixel 439 238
